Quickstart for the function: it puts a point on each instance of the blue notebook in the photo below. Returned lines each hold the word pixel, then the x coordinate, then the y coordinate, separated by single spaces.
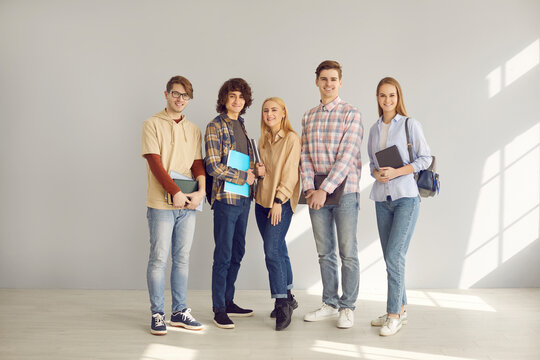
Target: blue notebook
pixel 240 161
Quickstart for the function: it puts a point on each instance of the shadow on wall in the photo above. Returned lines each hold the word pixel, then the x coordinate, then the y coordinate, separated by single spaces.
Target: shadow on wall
pixel 506 220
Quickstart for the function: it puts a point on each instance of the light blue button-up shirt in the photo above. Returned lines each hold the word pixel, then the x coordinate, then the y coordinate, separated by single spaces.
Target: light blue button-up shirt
pixel 402 186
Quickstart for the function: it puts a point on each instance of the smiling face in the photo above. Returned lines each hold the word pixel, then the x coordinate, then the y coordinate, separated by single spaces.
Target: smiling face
pixel 175 105
pixel 388 99
pixel 235 103
pixel 328 83
pixel 273 115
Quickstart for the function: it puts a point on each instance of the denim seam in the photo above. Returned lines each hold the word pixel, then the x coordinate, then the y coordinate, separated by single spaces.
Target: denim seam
pixel 402 245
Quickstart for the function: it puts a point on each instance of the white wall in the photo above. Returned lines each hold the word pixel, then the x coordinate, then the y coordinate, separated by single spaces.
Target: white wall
pixel 77 79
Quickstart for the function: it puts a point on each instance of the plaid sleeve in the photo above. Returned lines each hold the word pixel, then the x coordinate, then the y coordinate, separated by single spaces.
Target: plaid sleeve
pixel 307 172
pixel 214 166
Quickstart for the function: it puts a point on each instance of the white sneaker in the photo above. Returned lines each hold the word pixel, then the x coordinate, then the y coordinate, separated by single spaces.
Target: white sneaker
pixel 381 319
pixel 325 312
pixel 390 327
pixel 346 318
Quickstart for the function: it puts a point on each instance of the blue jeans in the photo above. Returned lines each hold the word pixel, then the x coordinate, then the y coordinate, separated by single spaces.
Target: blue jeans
pixel 230 223
pixel 176 228
pixel 275 249
pixel 396 220
pixel 345 218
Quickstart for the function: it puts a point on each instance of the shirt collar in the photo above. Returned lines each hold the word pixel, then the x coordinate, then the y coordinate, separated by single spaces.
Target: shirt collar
pixel 332 104
pixel 280 133
pixel 395 119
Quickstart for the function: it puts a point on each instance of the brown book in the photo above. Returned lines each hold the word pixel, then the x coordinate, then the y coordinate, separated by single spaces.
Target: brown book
pixel 331 199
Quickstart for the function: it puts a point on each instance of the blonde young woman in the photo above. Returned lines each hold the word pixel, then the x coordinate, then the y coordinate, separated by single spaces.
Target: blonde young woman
pixel 396 195
pixel 276 200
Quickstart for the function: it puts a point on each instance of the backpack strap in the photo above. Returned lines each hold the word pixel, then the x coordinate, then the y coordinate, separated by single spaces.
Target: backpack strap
pixel 409 144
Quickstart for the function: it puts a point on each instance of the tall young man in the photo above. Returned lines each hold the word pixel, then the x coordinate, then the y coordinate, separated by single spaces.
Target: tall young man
pixel 171 143
pixel 231 211
pixel 331 137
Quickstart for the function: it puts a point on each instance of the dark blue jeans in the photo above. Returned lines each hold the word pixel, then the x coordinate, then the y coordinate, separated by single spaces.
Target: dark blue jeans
pixel 275 249
pixel 230 223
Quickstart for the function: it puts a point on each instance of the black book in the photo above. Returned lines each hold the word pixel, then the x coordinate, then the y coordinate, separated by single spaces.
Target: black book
pixel 389 157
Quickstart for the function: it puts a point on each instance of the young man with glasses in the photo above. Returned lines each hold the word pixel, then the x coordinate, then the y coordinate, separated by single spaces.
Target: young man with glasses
pixel 170 143
pixel 231 211
pixel 331 137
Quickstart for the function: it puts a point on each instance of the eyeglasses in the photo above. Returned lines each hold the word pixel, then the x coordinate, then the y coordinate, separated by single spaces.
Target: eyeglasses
pixel 176 95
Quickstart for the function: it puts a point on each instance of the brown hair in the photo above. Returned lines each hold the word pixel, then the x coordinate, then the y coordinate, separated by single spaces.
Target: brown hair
pixel 182 81
pixel 326 65
pixel 236 84
pixel 400 107
pixel 285 123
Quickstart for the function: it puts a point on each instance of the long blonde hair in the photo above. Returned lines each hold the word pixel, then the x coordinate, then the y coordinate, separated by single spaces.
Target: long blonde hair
pixel 285 123
pixel 400 108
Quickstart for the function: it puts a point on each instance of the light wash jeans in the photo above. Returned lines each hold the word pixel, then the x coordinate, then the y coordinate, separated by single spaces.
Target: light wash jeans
pixel 345 218
pixel 396 220
pixel 176 228
pixel 276 255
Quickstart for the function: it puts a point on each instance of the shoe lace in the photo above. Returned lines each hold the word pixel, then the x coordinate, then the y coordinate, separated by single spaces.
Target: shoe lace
pixel 159 319
pixel 187 315
pixel 391 322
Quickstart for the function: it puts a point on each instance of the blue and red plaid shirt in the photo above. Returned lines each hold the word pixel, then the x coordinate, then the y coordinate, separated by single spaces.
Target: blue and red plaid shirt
pixel 331 138
pixel 219 140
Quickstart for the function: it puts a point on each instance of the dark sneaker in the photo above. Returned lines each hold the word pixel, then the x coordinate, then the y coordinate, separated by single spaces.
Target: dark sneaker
pixel 291 301
pixel 157 326
pixel 235 310
pixel 284 312
pixel 222 320
pixel 185 319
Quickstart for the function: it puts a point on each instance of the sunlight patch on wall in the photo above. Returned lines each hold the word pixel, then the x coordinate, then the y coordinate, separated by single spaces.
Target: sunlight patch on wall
pixel 372 267
pixel 506 219
pixel 315 289
pixel 494 80
pixel 514 68
pixel 300 223
pixel 365 177
pixel 520 64
pixel 167 352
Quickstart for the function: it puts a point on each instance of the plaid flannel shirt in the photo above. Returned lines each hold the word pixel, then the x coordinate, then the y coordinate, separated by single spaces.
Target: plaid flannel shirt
pixel 331 138
pixel 219 140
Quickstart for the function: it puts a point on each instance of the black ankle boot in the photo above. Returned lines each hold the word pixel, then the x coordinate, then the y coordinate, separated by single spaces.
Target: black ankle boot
pixel 290 299
pixel 284 312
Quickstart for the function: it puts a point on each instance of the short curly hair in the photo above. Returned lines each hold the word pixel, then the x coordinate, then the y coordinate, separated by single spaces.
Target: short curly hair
pixel 236 84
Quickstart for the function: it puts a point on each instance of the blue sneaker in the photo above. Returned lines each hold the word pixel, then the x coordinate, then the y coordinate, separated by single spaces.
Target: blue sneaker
pixel 184 319
pixel 157 326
